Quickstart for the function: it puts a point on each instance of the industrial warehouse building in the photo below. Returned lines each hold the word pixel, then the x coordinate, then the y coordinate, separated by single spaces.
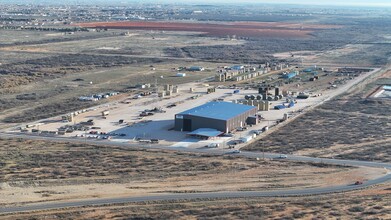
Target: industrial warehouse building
pixel 222 116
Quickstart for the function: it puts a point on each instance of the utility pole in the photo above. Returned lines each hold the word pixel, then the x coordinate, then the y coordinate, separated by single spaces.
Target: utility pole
pixel 156 90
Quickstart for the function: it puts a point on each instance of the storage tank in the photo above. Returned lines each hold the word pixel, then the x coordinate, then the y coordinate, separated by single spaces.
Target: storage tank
pixel 260 105
pixel 267 106
pixel 277 91
pixel 264 96
pixel 259 97
pixel 161 94
pixel 252 97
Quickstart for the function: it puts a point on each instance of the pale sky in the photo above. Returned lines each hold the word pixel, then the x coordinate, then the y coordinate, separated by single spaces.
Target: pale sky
pixel 303 2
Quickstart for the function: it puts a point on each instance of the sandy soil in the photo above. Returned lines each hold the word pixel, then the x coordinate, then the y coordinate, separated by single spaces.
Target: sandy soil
pixel 269 177
pixel 367 204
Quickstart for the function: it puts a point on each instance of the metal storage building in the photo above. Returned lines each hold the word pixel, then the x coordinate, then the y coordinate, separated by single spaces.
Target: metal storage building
pixel 289 75
pixel 196 68
pixel 222 116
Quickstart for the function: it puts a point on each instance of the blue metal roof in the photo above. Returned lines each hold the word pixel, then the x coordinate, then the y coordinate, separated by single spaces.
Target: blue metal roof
pixel 206 132
pixel 388 88
pixel 237 67
pixel 289 75
pixel 197 68
pixel 218 110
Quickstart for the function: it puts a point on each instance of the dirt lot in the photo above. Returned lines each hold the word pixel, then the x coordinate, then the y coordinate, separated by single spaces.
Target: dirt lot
pixel 43 77
pixel 240 29
pixel 34 171
pixel 350 126
pixel 368 204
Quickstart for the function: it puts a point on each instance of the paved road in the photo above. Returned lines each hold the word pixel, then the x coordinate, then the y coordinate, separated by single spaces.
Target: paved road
pixel 210 195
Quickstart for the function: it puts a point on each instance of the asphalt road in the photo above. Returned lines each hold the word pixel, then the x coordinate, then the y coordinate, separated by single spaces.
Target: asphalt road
pixel 209 195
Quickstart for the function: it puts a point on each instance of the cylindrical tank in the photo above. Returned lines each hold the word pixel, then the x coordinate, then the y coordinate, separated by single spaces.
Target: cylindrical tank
pixel 259 97
pixel 252 97
pixel 277 91
pixel 262 105
pixel 166 87
pixel 267 106
pixel 247 97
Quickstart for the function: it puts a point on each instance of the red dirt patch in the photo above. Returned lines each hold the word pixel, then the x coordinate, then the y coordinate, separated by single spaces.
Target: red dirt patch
pixel 240 29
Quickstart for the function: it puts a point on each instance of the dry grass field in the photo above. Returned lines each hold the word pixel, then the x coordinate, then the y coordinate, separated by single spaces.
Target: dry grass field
pixel 351 126
pixel 368 204
pixel 240 29
pixel 43 74
pixel 33 171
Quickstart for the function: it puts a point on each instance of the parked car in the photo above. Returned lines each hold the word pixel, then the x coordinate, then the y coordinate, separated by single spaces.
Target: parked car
pixel 257 132
pixel 212 145
pixel 236 151
pixel 154 141
pixel 282 156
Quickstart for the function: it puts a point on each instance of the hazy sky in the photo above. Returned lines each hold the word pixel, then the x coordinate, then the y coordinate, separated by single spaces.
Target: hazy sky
pixel 305 2
pixel 309 2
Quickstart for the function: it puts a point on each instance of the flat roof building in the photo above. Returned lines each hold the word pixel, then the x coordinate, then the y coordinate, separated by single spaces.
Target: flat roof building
pixel 196 68
pixel 222 116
